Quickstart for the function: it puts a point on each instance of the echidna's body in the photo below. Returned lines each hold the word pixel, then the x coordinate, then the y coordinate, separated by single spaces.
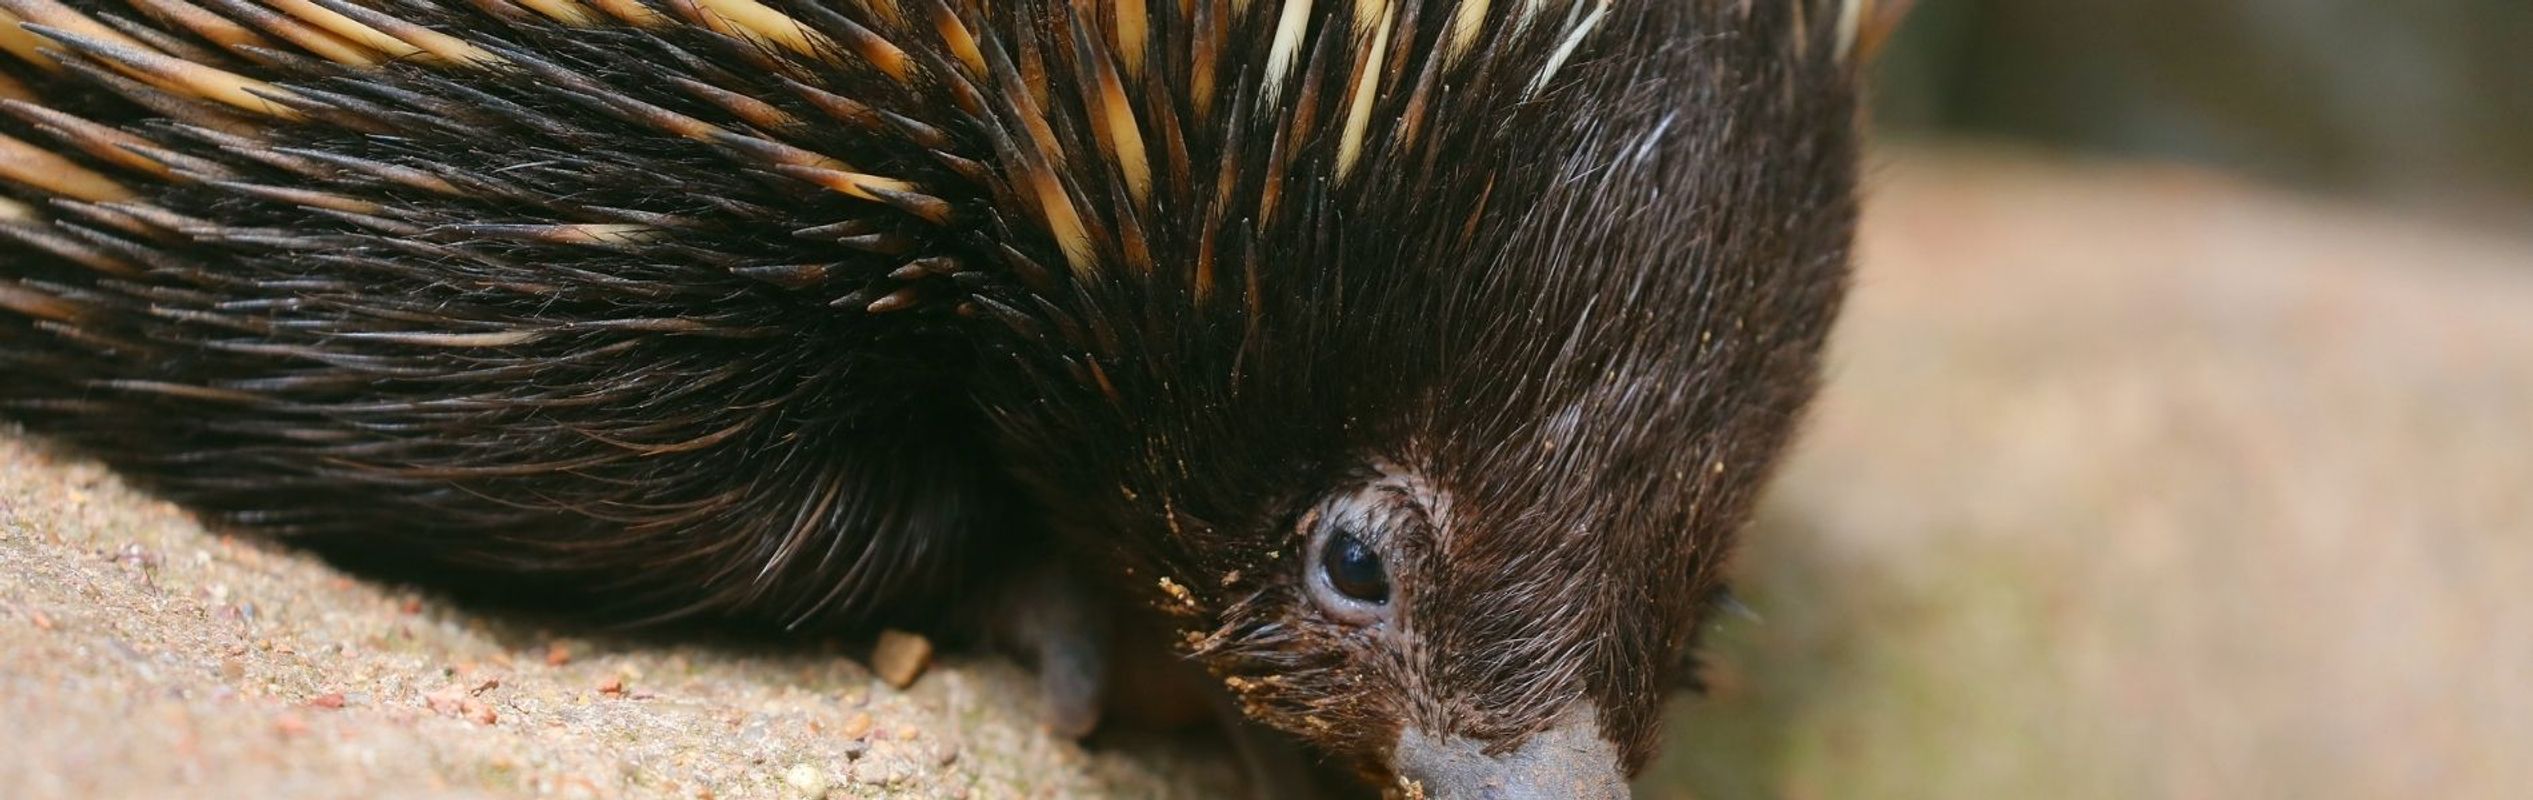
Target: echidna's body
pixel 801 309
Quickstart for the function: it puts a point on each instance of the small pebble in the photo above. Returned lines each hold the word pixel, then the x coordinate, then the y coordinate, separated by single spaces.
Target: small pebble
pixel 444 701
pixel 900 657
pixel 557 655
pixel 879 771
pixel 857 726
pixel 1410 790
pixel 808 780
pixel 457 702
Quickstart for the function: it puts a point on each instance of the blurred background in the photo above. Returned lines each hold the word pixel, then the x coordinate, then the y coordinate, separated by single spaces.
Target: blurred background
pixel 2427 103
pixel 2179 439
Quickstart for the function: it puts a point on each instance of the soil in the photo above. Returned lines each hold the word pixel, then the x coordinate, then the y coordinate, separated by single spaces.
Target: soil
pixel 146 657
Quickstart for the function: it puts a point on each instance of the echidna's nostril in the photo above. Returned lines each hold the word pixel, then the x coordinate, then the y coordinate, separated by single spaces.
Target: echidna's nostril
pixel 1569 761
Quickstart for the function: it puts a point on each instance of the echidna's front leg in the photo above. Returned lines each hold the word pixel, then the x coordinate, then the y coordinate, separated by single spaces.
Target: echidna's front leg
pixel 1275 765
pixel 1050 618
pixel 1071 633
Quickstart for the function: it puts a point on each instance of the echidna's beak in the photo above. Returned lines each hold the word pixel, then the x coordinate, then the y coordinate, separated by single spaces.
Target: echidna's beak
pixel 1567 762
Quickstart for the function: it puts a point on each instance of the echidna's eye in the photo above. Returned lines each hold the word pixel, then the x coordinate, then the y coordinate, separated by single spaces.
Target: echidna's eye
pixel 1354 570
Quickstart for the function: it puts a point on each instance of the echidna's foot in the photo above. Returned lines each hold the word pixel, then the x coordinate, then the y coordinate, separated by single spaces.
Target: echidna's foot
pixel 1050 619
pixel 1275 764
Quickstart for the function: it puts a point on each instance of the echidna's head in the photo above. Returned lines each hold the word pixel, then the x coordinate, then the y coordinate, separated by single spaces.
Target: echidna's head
pixel 1438 474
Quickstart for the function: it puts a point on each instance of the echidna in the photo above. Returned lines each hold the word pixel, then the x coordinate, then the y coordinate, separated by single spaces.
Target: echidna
pixel 1415 360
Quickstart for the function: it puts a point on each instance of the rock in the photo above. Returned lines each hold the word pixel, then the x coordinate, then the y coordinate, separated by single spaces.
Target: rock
pixel 881 770
pixel 456 701
pixel 900 657
pixel 808 780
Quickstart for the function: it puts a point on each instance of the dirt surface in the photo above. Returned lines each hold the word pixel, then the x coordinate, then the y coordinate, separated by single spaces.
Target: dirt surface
pixel 143 657
pixel 2129 483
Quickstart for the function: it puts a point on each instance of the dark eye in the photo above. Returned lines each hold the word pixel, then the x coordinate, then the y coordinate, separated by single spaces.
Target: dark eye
pixel 1354 570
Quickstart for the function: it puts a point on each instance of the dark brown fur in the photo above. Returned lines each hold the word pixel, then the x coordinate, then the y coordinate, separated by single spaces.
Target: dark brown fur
pixel 1563 329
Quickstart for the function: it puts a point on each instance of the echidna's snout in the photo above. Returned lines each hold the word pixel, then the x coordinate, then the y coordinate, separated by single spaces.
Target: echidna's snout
pixel 1567 762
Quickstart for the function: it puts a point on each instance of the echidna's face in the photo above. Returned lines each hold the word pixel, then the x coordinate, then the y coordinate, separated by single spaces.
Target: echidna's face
pixel 1437 466
pixel 1475 651
pixel 1457 521
pixel 1468 600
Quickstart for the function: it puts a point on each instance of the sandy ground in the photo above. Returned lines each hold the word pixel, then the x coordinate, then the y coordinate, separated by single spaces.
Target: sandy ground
pixel 2129 483
pixel 145 657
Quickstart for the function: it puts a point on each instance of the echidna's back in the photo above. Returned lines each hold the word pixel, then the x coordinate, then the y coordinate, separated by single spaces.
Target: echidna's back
pixel 317 270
